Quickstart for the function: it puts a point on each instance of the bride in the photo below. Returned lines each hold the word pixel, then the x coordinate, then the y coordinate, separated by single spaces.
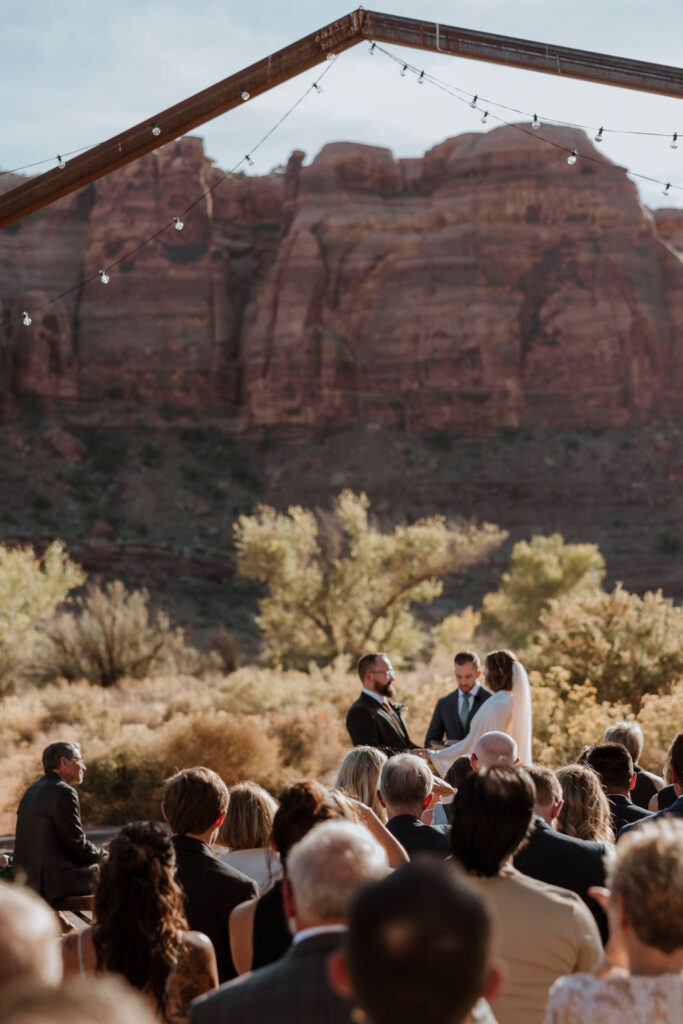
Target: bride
pixel 508 710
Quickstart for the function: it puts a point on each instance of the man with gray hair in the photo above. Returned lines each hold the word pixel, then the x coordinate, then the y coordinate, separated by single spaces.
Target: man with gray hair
pixel 405 790
pixel 494 748
pixel 325 870
pixel 51 851
pixel 630 735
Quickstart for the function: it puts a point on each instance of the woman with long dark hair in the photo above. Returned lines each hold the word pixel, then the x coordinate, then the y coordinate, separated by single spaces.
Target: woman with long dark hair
pixel 140 929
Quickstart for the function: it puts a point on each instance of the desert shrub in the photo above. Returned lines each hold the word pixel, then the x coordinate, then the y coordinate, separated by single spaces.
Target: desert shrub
pixel 313 740
pixel 456 632
pixel 540 570
pixel 626 645
pixel 111 635
pixel 225 646
pixel 336 585
pixel 661 718
pixel 31 588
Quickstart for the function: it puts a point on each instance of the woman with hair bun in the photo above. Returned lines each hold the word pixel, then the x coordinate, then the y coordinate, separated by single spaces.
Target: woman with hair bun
pixel 140 929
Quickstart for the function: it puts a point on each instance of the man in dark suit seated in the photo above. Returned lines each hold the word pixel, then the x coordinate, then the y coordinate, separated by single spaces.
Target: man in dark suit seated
pixel 612 762
pixel 552 857
pixel 195 801
pixel 405 790
pixel 325 870
pixel 453 713
pixel 51 850
pixel 630 735
pixel 676 808
pixel 374 720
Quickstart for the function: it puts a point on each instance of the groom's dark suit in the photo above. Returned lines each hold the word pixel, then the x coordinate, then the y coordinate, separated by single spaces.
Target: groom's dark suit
pixel 446 717
pixel 372 724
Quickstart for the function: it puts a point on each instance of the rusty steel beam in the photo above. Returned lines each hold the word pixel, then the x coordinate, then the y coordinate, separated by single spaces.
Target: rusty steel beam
pixel 523 53
pixel 181 118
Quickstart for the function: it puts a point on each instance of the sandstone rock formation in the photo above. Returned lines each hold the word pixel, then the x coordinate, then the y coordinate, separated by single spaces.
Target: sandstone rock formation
pixel 488 283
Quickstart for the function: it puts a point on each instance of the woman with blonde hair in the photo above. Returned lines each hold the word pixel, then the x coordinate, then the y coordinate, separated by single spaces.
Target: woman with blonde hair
pixel 246 833
pixel 585 812
pixel 358 777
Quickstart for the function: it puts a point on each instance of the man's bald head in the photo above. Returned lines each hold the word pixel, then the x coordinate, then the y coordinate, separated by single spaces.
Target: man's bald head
pixel 494 748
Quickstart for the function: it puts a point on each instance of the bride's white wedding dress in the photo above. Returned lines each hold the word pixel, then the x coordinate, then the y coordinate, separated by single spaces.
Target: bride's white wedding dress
pixel 506 711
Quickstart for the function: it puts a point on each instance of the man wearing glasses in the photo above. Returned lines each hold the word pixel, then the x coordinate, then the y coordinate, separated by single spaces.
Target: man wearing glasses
pixel 374 720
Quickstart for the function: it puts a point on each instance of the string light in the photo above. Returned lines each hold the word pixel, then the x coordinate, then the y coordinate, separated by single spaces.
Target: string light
pixel 104 276
pixel 372 49
pixel 421 79
pixel 403 70
pixel 598 137
pixel 249 160
pixel 156 130
pixel 571 159
pixel 318 88
pixel 178 224
pixel 473 104
pixel 535 123
pixel 666 190
pixel 674 141
pixel 60 162
pixel 26 319
pixel 485 117
pixel 245 95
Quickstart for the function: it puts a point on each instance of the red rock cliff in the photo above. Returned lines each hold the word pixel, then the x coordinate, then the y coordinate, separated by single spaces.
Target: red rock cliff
pixel 488 283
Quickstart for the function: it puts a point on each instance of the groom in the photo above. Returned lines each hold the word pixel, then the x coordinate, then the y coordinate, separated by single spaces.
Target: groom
pixel 374 720
pixel 453 713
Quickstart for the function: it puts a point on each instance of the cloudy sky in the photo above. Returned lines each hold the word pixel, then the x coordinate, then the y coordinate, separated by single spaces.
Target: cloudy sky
pixel 76 72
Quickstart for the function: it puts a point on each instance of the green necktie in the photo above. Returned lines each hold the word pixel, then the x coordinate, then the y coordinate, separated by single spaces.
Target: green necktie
pixel 464 709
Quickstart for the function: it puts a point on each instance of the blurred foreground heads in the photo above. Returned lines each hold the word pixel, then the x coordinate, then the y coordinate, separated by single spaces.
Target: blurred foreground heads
pixel 29 951
pixel 418 948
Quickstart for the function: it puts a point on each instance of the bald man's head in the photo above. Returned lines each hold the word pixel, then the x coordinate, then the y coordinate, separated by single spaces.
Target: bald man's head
pixel 494 748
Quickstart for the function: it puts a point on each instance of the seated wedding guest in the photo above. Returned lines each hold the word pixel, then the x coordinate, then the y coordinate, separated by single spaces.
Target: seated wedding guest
pixel 259 933
pixel 246 833
pixel 555 858
pixel 630 735
pixel 461 767
pixel 645 909
pixel 405 789
pixel 89 1000
pixel 418 948
pixel 675 809
pixel 668 793
pixel 358 777
pixel 585 812
pixel 29 933
pixel 493 748
pixel 613 765
pixel 141 929
pixel 194 803
pixel 325 870
pixel 543 931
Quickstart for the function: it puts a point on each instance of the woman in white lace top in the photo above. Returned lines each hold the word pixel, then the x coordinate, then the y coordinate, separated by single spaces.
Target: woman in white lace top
pixel 645 909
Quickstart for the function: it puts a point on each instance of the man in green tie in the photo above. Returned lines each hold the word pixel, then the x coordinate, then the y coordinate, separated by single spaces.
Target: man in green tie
pixel 454 712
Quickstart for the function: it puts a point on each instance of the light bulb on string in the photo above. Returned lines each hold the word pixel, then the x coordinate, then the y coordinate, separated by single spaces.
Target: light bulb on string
pixel 535 124
pixel 104 276
pixel 249 160
pixel 598 137
pixel 485 117
pixel 403 71
pixel 26 319
pixel 372 49
pixel 674 141
pixel 60 162
pixel 245 95
pixel 571 159
pixel 178 224
pixel 421 78
pixel 156 130
pixel 667 190
pixel 473 104
pixel 318 88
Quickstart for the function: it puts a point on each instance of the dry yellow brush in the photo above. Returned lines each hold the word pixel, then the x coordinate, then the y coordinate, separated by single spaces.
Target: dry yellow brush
pixel 262 724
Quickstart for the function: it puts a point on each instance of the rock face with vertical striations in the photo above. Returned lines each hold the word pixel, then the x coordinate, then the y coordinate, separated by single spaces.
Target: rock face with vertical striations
pixel 486 284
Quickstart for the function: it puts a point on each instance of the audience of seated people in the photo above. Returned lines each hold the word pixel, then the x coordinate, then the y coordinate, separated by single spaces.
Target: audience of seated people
pixel 509 940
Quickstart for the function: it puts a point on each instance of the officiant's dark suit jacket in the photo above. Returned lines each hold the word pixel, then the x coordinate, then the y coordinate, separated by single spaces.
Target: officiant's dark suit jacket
pixel 565 861
pixel 447 720
pixel 371 724
pixel 51 848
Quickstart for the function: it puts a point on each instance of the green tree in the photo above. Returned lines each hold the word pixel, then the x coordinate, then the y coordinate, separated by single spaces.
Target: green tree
pixel 540 570
pixel 337 585
pixel 31 588
pixel 625 645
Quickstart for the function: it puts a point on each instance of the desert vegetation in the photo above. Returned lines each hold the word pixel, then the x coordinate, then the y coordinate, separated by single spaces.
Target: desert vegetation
pixel 96 664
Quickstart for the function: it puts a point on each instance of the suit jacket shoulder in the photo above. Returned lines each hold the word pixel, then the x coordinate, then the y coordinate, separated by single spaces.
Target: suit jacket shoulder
pixel 369 724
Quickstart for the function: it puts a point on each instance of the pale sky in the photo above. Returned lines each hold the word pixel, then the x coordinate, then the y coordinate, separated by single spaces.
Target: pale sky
pixel 75 72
